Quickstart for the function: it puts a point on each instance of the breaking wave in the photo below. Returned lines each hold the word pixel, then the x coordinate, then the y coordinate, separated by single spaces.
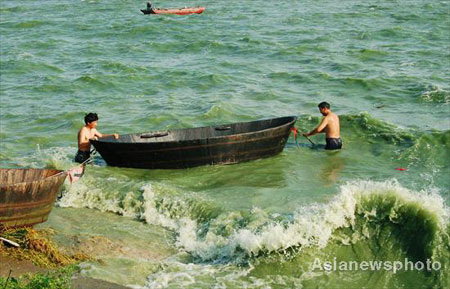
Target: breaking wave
pixel 380 212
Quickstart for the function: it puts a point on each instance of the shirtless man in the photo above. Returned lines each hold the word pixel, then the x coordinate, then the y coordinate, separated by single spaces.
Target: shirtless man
pixel 87 133
pixel 330 126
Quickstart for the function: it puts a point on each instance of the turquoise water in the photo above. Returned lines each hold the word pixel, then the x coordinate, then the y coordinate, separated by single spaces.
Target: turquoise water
pixel 383 66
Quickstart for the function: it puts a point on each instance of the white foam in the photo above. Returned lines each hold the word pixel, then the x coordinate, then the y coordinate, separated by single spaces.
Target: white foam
pixel 309 226
pixel 180 275
pixel 151 214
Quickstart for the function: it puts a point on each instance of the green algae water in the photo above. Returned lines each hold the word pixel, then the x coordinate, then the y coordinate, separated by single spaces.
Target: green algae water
pixel 281 222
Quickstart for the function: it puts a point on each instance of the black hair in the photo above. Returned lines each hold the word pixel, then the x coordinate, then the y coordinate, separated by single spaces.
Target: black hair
pixel 90 117
pixel 324 104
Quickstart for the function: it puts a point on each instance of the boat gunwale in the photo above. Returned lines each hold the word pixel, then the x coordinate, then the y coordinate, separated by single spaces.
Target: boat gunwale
pixel 110 139
pixel 203 145
pixel 60 172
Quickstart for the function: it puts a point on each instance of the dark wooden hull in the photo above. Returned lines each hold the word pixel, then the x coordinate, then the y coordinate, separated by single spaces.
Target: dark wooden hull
pixel 27 195
pixel 184 148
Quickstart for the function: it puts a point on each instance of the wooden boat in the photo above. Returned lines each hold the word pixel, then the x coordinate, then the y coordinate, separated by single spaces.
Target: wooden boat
pixel 184 148
pixel 177 11
pixel 27 195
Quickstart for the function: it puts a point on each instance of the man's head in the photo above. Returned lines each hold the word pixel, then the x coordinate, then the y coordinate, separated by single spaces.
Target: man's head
pixel 91 119
pixel 324 108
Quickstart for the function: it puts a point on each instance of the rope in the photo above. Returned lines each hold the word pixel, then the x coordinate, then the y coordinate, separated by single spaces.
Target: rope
pixel 91 157
pixel 307 138
pixel 295 130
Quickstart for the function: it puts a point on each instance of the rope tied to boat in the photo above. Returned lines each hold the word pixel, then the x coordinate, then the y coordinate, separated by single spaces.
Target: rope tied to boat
pixel 76 172
pixel 295 131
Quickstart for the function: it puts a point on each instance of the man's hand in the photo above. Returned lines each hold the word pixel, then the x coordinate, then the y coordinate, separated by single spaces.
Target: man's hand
pixel 116 136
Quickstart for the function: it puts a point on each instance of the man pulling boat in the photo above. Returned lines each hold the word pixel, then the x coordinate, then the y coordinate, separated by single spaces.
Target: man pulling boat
pixel 330 126
pixel 87 133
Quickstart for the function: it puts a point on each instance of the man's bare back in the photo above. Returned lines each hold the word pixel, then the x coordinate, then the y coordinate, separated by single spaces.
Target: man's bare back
pixel 330 126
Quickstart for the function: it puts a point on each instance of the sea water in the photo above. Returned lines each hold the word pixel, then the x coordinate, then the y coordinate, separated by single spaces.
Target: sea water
pixel 287 221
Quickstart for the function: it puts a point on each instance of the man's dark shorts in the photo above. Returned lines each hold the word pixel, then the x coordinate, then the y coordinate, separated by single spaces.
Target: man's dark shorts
pixel 333 144
pixel 82 156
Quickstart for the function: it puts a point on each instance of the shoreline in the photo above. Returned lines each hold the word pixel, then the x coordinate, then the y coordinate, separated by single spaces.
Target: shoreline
pixel 68 240
pixel 20 268
pixel 39 260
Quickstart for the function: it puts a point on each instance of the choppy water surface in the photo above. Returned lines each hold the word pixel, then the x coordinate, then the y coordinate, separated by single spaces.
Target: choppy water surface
pixel 383 66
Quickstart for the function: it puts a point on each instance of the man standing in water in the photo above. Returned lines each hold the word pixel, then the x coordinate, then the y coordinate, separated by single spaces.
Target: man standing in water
pixel 330 126
pixel 87 133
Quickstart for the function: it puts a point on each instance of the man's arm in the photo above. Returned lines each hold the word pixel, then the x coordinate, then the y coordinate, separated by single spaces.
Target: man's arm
pixel 323 124
pixel 99 135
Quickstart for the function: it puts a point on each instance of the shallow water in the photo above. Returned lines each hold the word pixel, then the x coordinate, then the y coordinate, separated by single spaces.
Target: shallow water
pixel 383 67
